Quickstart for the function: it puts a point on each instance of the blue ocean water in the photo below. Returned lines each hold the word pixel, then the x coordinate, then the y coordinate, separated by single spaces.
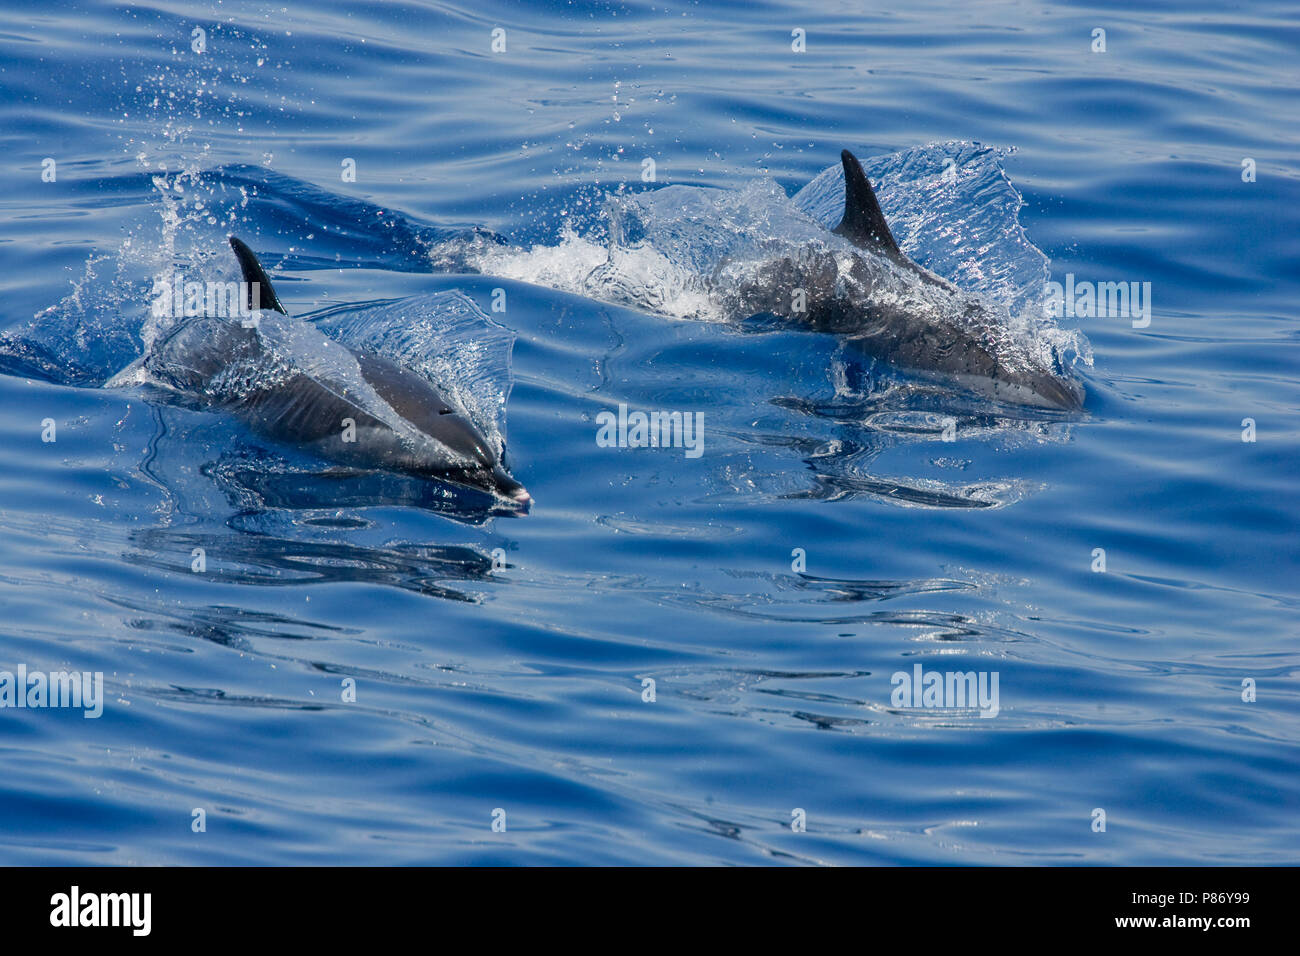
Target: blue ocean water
pixel 826 539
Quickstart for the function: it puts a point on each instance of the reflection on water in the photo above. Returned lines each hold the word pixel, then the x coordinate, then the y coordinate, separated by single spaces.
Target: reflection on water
pixel 266 481
pixel 259 559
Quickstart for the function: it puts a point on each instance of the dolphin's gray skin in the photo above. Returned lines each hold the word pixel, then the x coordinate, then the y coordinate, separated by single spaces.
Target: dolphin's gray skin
pixel 850 296
pixel 228 365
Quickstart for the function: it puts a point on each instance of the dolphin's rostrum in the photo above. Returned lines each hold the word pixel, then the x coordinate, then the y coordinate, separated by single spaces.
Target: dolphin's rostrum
pixel 348 406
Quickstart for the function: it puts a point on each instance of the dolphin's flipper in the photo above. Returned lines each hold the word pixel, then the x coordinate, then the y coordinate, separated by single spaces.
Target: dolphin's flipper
pixel 863 223
pixel 261 295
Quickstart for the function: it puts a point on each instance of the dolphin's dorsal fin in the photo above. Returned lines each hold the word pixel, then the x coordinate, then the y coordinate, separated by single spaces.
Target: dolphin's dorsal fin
pixel 264 297
pixel 863 223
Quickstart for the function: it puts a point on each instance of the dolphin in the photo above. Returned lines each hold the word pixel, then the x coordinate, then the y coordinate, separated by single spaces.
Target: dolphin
pixel 352 407
pixel 903 313
pixel 852 280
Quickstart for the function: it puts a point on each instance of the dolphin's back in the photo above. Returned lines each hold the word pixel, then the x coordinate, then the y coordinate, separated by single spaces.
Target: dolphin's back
pixel 229 366
pixel 192 356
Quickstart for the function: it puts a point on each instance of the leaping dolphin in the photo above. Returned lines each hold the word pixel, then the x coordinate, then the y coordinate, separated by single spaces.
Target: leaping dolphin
pixel 348 406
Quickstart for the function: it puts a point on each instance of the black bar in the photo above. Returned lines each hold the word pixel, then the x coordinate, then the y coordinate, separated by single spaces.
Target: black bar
pixel 916 905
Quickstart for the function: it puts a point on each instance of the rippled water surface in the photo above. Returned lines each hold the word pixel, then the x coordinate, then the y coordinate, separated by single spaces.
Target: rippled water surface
pixel 828 536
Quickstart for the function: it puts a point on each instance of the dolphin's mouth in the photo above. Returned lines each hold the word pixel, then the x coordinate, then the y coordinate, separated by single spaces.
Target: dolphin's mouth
pixel 512 504
pixel 496 481
pixel 514 501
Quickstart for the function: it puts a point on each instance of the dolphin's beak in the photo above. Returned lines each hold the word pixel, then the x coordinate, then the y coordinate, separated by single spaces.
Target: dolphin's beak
pixel 507 487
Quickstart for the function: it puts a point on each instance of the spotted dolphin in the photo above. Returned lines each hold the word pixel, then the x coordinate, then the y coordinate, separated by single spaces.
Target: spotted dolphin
pixel 352 407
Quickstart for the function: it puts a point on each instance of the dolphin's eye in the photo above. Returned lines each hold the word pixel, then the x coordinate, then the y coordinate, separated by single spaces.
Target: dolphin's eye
pixel 444 411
